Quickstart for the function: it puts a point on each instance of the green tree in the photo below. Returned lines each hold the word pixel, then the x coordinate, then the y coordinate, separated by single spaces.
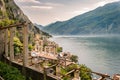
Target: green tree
pixel 85 73
pixel 18 46
pixel 74 58
pixel 59 49
pixel 30 47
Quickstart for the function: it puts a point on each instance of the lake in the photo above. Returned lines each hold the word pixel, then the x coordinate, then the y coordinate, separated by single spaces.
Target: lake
pixel 100 53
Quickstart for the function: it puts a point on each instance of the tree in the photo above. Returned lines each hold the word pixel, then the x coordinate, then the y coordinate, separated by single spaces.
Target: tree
pixel 85 72
pixel 18 46
pixel 30 47
pixel 59 49
pixel 74 58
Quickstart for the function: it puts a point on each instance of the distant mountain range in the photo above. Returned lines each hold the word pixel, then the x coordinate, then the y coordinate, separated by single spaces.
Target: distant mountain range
pixel 102 20
pixel 38 26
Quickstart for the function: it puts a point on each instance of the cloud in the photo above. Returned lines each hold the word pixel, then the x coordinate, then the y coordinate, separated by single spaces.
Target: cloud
pixel 42 7
pixel 102 3
pixel 53 4
pixel 33 1
pixel 77 12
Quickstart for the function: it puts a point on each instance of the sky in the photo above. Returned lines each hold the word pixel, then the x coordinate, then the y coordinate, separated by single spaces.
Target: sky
pixel 44 12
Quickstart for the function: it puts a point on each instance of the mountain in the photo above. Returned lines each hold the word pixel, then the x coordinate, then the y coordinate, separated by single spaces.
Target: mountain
pixel 102 20
pixel 38 26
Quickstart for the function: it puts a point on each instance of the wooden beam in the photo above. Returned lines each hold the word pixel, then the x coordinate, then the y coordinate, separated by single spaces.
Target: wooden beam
pixel 52 66
pixel 10 26
pixel 70 72
pixel 100 74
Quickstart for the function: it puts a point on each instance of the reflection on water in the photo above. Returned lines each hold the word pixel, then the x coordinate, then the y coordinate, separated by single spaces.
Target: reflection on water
pixel 101 54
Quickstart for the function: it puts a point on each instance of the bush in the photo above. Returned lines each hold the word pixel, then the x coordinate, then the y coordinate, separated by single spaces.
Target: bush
pixel 6 22
pixel 30 47
pixel 71 67
pixel 85 73
pixel 59 49
pixel 74 58
pixel 18 46
pixel 10 73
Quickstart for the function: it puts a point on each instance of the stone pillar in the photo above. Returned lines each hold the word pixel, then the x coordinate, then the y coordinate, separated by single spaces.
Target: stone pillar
pixel 45 74
pixel 46 49
pixel 25 45
pixel 6 42
pixel 49 49
pixel 58 69
pixel 77 75
pixel 11 44
pixel 41 49
pixel 41 46
pixel 54 49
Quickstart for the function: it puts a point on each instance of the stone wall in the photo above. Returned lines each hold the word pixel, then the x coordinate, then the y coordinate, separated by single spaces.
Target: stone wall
pixel 30 73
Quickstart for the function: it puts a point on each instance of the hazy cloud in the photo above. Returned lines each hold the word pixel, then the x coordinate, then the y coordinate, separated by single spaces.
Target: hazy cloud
pixel 42 7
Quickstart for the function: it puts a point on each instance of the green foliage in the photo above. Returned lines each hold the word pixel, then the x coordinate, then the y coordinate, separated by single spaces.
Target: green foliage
pixel 67 77
pixel 10 73
pixel 84 73
pixel 71 67
pixel 74 58
pixel 59 49
pixel 6 22
pixel 63 71
pixel 30 47
pixel 18 46
pixel 1 13
pixel 67 69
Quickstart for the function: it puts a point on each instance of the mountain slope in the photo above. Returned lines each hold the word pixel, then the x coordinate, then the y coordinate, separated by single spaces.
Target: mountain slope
pixel 102 20
pixel 38 26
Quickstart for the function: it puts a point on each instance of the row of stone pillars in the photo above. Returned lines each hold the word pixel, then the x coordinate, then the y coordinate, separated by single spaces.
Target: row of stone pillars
pixel 10 52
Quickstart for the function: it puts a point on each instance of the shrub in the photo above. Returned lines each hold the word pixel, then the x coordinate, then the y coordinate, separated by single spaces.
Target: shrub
pixel 18 46
pixel 10 73
pixel 85 73
pixel 30 47
pixel 6 22
pixel 59 49
pixel 74 58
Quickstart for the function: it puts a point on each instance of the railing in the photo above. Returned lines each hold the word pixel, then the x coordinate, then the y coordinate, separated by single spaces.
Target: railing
pixel 1 78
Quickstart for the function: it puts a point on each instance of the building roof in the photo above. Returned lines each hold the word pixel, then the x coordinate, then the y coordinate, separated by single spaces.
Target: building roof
pixel 47 56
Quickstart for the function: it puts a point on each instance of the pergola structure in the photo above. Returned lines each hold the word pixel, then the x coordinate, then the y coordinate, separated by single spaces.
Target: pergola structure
pixel 11 28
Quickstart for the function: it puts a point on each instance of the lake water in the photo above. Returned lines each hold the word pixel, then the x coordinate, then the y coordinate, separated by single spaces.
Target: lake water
pixel 100 53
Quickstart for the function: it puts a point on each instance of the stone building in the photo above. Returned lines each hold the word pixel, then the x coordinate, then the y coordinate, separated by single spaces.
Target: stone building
pixel 116 77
